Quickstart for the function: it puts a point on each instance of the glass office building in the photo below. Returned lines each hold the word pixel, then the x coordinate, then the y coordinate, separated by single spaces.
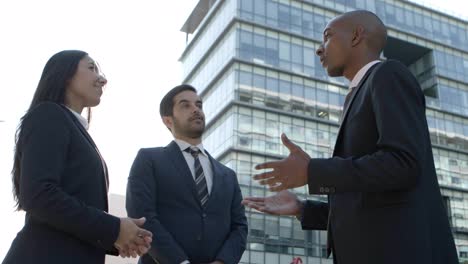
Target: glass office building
pixel 254 63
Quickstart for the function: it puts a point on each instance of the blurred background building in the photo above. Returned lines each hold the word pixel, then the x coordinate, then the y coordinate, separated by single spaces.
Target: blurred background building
pixel 254 63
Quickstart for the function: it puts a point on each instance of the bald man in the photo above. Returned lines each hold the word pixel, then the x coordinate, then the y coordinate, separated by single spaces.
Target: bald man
pixel 384 203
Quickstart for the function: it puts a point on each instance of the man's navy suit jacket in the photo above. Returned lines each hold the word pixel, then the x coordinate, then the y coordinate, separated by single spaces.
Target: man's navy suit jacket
pixel 162 189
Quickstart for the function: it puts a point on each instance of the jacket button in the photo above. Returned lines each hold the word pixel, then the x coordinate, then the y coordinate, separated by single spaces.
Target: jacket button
pixel 321 189
pixel 204 215
pixel 327 189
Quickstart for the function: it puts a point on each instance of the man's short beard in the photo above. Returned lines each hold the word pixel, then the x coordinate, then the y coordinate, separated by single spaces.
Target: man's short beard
pixel 196 134
pixel 190 133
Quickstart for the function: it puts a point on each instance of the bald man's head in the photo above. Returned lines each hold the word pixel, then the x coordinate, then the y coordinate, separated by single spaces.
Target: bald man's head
pixel 374 30
pixel 350 41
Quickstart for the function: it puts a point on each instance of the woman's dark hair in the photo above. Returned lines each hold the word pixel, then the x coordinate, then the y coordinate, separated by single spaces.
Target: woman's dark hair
pixel 58 71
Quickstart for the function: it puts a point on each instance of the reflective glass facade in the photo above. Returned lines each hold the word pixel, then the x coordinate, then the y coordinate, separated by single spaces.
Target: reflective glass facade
pixel 254 64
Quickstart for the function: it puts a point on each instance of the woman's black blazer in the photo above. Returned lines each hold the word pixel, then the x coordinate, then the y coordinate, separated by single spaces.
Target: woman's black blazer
pixel 63 189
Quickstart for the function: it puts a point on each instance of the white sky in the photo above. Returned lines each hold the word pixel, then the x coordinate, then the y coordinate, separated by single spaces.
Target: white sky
pixel 137 46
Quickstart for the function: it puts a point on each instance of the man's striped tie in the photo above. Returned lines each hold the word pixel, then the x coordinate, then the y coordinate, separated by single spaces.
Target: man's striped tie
pixel 200 181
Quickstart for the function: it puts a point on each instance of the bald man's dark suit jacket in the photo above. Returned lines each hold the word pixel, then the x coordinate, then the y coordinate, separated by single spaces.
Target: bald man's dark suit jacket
pixel 385 206
pixel 161 188
pixel 63 191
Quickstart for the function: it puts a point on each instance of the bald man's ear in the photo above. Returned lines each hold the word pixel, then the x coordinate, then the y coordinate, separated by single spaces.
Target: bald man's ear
pixel 358 35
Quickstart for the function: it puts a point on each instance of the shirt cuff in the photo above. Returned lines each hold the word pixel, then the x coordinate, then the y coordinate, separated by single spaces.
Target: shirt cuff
pixel 300 217
pixel 185 262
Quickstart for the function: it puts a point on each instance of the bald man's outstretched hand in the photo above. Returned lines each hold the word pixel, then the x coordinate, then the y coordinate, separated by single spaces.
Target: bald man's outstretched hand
pixel 290 172
pixel 282 203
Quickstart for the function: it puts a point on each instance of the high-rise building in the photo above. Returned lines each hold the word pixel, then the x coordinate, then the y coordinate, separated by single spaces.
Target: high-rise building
pixel 254 63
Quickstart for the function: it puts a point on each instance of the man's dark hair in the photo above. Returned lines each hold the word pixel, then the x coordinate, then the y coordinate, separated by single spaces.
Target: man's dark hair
pixel 167 103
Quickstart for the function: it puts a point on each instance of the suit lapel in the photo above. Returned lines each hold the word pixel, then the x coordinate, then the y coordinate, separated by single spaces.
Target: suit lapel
pixel 217 179
pixel 90 140
pixel 182 168
pixel 351 100
pixel 80 127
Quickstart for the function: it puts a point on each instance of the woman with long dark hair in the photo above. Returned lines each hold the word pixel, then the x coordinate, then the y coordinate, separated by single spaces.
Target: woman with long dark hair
pixel 59 177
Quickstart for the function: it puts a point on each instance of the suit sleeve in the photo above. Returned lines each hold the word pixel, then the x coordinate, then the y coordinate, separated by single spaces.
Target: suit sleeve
pixel 399 111
pixel 46 138
pixel 314 215
pixel 234 246
pixel 141 201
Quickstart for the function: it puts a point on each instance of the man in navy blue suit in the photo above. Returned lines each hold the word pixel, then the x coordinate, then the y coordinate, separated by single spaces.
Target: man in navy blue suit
pixel 190 200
